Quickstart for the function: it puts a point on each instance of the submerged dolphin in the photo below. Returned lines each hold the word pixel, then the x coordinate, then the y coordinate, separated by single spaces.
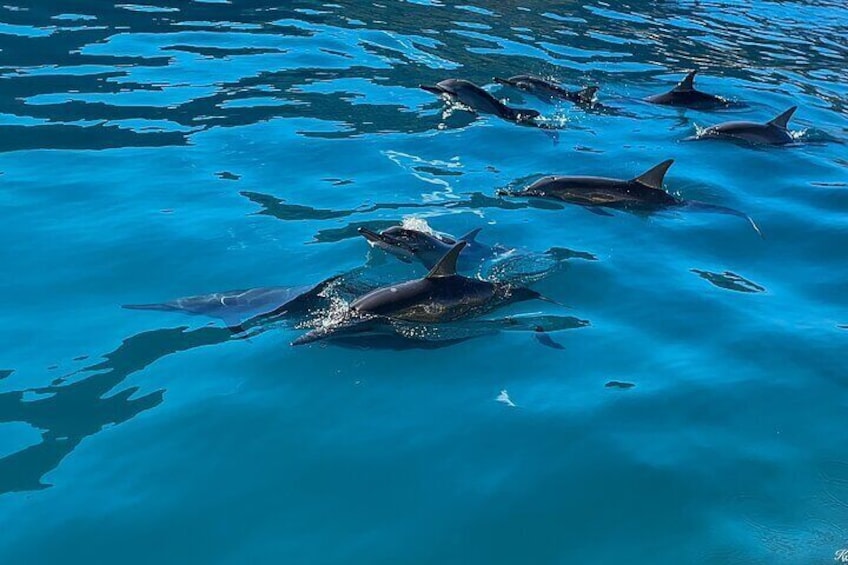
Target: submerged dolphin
pixel 478 99
pixel 685 94
pixel 644 192
pixel 441 296
pixel 235 307
pixel 428 248
pixel 548 89
pixel 773 132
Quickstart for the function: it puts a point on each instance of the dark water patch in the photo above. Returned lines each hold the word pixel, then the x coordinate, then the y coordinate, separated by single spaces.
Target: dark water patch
pixel 729 281
pixel 276 207
pixel 339 182
pixel 547 323
pixel 350 231
pixel 563 254
pixel 96 137
pixel 226 175
pixel 80 358
pixel 830 184
pixel 585 149
pixel 272 206
pixel 224 52
pixel 67 414
pixel 619 384
pixel 436 171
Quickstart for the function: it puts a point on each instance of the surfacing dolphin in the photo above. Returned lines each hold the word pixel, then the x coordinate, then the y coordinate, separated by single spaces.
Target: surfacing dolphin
pixel 236 307
pixel 474 97
pixel 407 244
pixel 642 193
pixel 685 94
pixel 442 296
pixel 773 132
pixel 548 90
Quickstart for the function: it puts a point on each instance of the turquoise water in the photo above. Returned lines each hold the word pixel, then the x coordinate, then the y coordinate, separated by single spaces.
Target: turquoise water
pixel 157 152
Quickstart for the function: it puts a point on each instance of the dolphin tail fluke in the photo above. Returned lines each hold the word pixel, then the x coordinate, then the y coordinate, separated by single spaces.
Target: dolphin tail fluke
pixel 687 84
pixel 431 88
pixel 446 267
pixel 471 236
pixel 782 121
pixel 697 206
pixel 653 178
pixel 587 95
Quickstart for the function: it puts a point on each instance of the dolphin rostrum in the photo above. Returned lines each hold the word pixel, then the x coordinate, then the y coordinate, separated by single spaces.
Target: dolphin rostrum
pixel 773 132
pixel 474 97
pixel 441 296
pixel 642 193
pixel 685 94
pixel 548 90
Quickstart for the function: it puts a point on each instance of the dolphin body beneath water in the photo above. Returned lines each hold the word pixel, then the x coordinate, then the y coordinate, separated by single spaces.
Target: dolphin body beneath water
pixel 642 193
pixel 428 248
pixel 685 94
pixel 474 97
pixel 442 296
pixel 548 90
pixel 235 307
pixel 773 132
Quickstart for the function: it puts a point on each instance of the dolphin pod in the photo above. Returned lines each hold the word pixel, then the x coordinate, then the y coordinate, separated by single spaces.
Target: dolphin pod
pixel 683 95
pixel 443 295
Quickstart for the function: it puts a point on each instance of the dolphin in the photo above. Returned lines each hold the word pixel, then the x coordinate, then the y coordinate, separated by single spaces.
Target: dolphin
pixel 235 307
pixel 773 132
pixel 478 100
pixel 685 94
pixel 441 296
pixel 548 90
pixel 643 193
pixel 428 248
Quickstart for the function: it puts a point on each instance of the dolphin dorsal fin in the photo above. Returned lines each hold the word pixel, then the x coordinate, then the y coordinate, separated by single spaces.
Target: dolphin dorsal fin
pixel 687 84
pixel 446 267
pixel 588 93
pixel 782 121
pixel 470 236
pixel 654 177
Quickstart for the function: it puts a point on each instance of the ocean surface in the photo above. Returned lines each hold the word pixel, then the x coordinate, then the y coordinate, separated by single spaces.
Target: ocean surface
pixel 686 403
